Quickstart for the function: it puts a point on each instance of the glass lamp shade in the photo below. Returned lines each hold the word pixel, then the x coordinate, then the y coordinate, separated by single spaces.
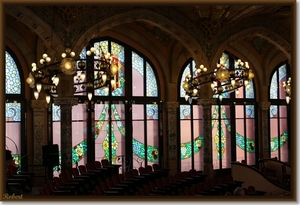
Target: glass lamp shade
pixel 39 87
pixel 90 96
pixel 68 66
pixel 185 86
pixel 36 95
pixel 222 74
pixel 251 74
pixel 287 98
pixel 48 98
pixel 56 80
pixel 113 69
pixel 30 80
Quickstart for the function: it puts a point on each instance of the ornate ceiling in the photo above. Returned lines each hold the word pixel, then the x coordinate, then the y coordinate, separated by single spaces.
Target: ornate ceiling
pixel 208 18
pixel 209 24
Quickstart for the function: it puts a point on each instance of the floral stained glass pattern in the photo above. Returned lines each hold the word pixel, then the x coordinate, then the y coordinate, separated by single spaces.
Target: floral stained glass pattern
pixel 151 84
pixel 13 111
pixel 12 77
pixel 79 151
pixel 187 70
pixel 138 63
pixel 275 82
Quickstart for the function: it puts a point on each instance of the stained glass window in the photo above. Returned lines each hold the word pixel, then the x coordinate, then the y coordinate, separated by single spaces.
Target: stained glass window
pixel 12 77
pixel 151 82
pixel 13 112
pixel 278 113
pixel 191 135
pixel 242 119
pixel 110 118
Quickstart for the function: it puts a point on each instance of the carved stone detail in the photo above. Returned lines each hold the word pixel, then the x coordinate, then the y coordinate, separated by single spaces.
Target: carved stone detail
pixel 39 109
pixel 65 101
pixel 172 131
pixel 207 102
pixel 66 137
pixel 171 105
pixel 265 105
pixel 39 104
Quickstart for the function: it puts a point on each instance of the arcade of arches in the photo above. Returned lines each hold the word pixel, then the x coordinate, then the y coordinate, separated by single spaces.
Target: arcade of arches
pixel 146 119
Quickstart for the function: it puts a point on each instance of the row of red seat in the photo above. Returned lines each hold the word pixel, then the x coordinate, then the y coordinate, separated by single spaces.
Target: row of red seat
pixel 84 179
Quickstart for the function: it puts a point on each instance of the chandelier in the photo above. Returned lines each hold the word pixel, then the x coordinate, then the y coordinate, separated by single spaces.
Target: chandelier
pixel 222 79
pixel 287 88
pixel 104 73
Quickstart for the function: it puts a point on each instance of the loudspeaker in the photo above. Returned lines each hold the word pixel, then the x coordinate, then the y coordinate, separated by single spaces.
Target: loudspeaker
pixel 50 155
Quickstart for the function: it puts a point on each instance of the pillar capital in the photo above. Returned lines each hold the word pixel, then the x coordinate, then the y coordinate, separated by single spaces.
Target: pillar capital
pixel 39 104
pixel 265 105
pixel 65 101
pixel 207 102
pixel 171 105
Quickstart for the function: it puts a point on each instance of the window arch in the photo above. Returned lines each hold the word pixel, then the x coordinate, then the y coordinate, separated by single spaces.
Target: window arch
pixel 279 112
pixel 14 112
pixel 127 122
pixel 233 120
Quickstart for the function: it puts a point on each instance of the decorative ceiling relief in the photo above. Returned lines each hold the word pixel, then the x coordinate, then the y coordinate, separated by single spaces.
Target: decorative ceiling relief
pixel 259 44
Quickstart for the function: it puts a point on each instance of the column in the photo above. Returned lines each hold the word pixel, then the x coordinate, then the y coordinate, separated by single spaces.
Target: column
pixel 39 129
pixel 264 139
pixel 172 135
pixel 90 136
pixel 207 136
pixel 66 130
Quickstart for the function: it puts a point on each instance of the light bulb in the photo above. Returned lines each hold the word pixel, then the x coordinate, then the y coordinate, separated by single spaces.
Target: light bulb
pixel 36 95
pixel 232 82
pixel 220 97
pixel 82 77
pixel 104 77
pixel 56 80
pixel 48 98
pixel 39 87
pixel 186 97
pixel 90 95
pixel 212 85
pixel 287 98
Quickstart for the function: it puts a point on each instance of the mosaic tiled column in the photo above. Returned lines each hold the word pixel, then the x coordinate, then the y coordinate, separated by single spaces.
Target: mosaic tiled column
pixel 172 135
pixel 66 130
pixel 207 136
pixel 39 126
pixel 264 109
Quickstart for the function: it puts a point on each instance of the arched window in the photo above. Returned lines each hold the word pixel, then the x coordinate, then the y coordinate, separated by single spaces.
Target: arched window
pixel 126 122
pixel 279 112
pixel 14 113
pixel 233 125
pixel 191 134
